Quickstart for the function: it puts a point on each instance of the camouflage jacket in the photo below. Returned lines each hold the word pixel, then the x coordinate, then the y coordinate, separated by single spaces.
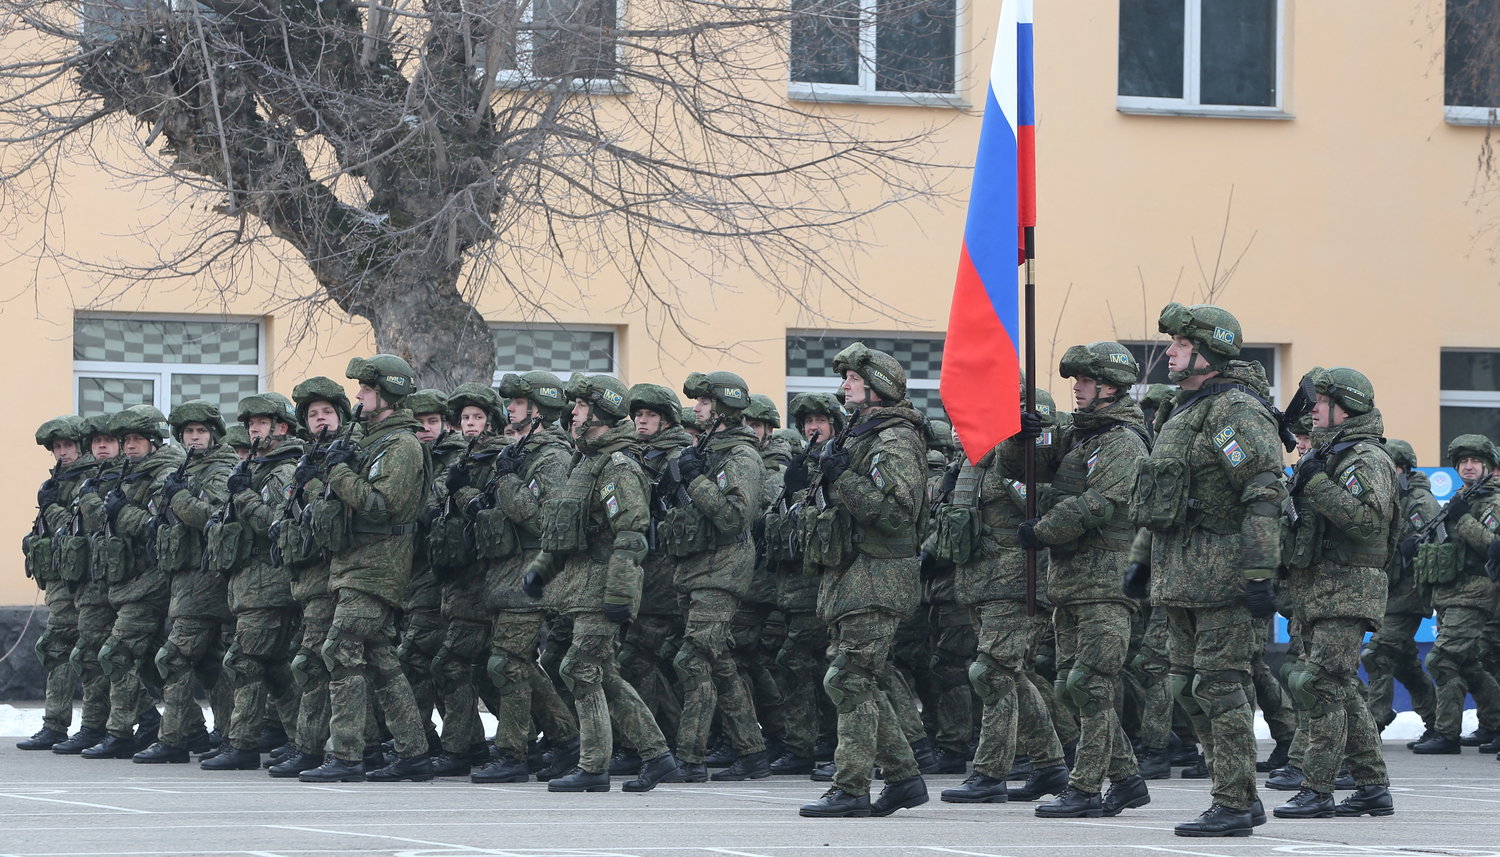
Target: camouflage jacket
pixel 884 492
pixel 89 510
pixel 1354 497
pixel 59 518
pixel 775 455
pixel 796 590
pixel 136 521
pixel 658 591
pixel 728 495
pixel 1475 529
pixel 1418 506
pixel 519 496
pixel 422 589
pixel 385 489
pixel 259 585
pixel 194 593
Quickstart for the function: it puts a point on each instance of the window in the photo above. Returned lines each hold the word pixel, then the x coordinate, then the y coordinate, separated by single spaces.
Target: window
pixel 809 362
pixel 551 40
pixel 549 348
pixel 1471 62
pixel 1153 359
pixel 1201 57
pixel 874 50
pixel 119 361
pixel 1470 398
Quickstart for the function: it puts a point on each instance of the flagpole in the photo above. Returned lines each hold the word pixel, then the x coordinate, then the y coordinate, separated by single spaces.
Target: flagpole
pixel 1030 232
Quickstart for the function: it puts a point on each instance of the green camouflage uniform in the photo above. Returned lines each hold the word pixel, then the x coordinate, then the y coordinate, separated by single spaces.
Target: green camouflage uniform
pixel 1464 605
pixel 383 489
pixel 1351 503
pixel 1230 444
pixel 309 585
pixel 1391 653
pixel 883 494
pixel 422 625
pixel 56 643
pixel 466 619
pixel 803 657
pixel 96 616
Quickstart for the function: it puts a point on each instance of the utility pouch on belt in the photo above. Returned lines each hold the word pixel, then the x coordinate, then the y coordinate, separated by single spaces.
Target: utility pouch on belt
pixel 495 535
pixel 294 541
pixel 828 538
pixel 72 553
pixel 178 548
pixel 447 544
pixel 1299 542
pixel 330 525
pixel 957 534
pixel 114 562
pixel 563 524
pixel 228 547
pixel 688 532
pixel 40 553
pixel 1438 564
pixel 778 538
pixel 1160 498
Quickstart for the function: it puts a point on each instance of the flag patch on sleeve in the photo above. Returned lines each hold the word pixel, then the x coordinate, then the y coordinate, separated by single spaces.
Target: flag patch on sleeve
pixel 1093 460
pixel 1353 485
pixel 612 505
pixel 1231 450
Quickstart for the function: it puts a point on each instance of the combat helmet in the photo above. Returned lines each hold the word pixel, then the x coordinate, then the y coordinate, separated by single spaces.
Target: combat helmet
pixel 1346 387
pixel 68 427
pixel 1401 452
pixel 428 400
pixel 1106 362
pixel 608 398
pixel 392 376
pixel 1213 331
pixel 728 391
pixel 1473 446
pixel 543 389
pixel 272 405
pixel 481 396
pixel 804 404
pixel 763 409
pixel 237 436
pixel 196 411
pixel 940 437
pixel 797 442
pixel 688 418
pixel 96 425
pixel 881 371
pixel 144 420
pixel 658 400
pixel 321 389
pixel 1046 407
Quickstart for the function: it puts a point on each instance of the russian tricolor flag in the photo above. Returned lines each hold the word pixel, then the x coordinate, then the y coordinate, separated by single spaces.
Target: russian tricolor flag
pixel 981 383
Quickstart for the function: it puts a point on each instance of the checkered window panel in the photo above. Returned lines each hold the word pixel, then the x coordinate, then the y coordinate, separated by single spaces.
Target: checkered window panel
pixel 552 349
pixel 811 357
pixel 108 395
pixel 223 390
pixel 129 340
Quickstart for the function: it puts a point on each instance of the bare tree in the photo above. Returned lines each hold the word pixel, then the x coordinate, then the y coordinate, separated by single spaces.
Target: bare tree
pixel 413 153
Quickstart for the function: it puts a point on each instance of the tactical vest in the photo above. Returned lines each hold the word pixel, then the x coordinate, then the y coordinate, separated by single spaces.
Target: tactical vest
pixel 1344 549
pixel 1170 493
pixel 959 523
pixel 567 526
pixel 1071 480
pixel 686 531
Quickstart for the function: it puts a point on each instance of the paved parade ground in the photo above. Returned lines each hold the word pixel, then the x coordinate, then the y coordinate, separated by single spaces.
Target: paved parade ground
pixel 58 807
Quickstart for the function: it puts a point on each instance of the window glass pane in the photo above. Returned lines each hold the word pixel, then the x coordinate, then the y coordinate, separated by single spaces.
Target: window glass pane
pixel 572 38
pixel 128 340
pixel 556 350
pixel 1469 370
pixel 1471 68
pixel 812 355
pixel 914 45
pixel 1454 421
pixel 223 390
pixel 928 402
pixel 1238 52
pixel 108 395
pixel 825 41
pixel 1151 44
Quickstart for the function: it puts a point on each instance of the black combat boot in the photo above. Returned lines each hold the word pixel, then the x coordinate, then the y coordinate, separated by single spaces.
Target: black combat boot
pixel 1288 779
pixel 922 752
pixel 79 741
pixel 1217 821
pixel 751 766
pixel 232 759
pixel 295 764
pixel 579 780
pixel 1366 800
pixel 902 794
pixel 201 743
pixel 1155 763
pixel 823 773
pixel 1072 803
pixel 1438 745
pixel 280 753
pixel 624 763
pixel 1257 813
pixel 44 739
pixel 1344 782
pixel 721 754
pixel 335 770
pixel 1128 793
pixel 374 757
pixel 112 747
pixel 662 769
pixel 692 772
pixel 1491 747
pixel 416 769
pixel 978 788
pixel 837 803
pixel 1477 737
pixel 950 761
pixel 791 763
pixel 558 761
pixel 1020 770
pixel 823 749
pixel 271 737
pixel 1276 760
pixel 502 770
pixel 452 765
pixel 1196 771
pixel 149 728
pixel 1306 804
pixel 1429 732
pixel 1050 780
pixel 162 754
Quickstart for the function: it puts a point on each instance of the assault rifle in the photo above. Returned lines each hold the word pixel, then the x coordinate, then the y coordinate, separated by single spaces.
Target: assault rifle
pixel 668 492
pixel 165 515
pixel 511 452
pixel 346 437
pixel 225 514
pixel 818 490
pixel 289 510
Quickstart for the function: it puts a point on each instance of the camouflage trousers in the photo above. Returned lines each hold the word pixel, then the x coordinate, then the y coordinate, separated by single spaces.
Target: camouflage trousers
pixel 1390 656
pixel 858 658
pixel 911 656
pixel 1040 668
pixel 138 632
pixel 361 662
pixel 526 698
pixel 555 645
pixel 311 675
pixel 54 648
pixel 1092 640
pixel 193 654
pixel 1296 653
pixel 803 660
pixel 755 635
pixel 1270 696
pixel 1014 711
pixel 466 645
pixel 599 693
pixel 258 666
pixel 95 621
pixel 1456 662
pixel 1326 685
pixel 1147 683
pixel 421 636
pixel 1211 649
pixel 642 664
pixel 947 698
pixel 710 680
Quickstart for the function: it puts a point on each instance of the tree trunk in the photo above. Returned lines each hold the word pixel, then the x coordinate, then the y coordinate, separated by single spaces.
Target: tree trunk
pixel 421 316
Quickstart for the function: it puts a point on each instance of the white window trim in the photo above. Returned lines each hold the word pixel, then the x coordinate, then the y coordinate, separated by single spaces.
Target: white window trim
pixel 1469 398
pixel 1189 104
pixel 614 344
pixel 1482 117
pixel 161 373
pixel 865 92
pixel 522 78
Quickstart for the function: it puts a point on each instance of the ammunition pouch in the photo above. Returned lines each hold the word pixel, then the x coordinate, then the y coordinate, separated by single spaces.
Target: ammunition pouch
pixel 827 538
pixel 776 538
pixel 495 535
pixel 71 554
pixel 1159 500
pixel 958 532
pixel 178 548
pixel 114 561
pixel 686 532
pixel 41 559
pixel 228 547
pixel 331 530
pixel 564 525
pixel 1436 565
pixel 448 547
pixel 1300 542
pixel 292 539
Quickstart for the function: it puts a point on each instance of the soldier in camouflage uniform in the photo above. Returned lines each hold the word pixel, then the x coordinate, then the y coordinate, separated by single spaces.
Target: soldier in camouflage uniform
pixel 506 503
pixel 381 483
pixel 977 532
pixel 716 496
pixel 1449 562
pixel 1212 546
pixel 138 589
pixel 864 523
pixel 1391 653
pixel 199 609
pixel 1092 473
pixel 63 438
pixel 95 615
pixel 422 626
pixel 1344 490
pixel 258 663
pixel 593 540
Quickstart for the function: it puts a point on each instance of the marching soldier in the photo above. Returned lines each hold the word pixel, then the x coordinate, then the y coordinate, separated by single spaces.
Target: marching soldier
pixel 422 626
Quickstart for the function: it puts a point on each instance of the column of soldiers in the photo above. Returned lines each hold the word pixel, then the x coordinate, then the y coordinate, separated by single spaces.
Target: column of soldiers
pixel 634 587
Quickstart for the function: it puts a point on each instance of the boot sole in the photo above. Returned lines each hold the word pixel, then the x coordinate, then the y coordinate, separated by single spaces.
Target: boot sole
pixel 758 775
pixel 159 761
pixel 945 798
pixel 1088 813
pixel 287 775
pixel 1205 834
pixel 254 767
pixel 489 781
pixel 603 788
pixel 882 813
pixel 1135 803
pixel 350 778
pixel 853 813
pixel 413 778
pixel 1375 813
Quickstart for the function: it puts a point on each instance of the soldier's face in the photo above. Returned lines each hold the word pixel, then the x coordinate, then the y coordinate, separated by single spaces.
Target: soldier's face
pixel 519 411
pixel 761 428
pixel 136 446
pixel 580 416
pixel 703 410
pixel 1327 413
pixel 196 436
pixel 473 421
pixel 65 451
pixel 320 416
pixel 647 422
pixel 1471 470
pixel 104 446
pixel 429 426
pixel 370 398
pixel 1304 443
pixel 816 427
pixel 855 392
pixel 1181 357
pixel 1086 390
pixel 260 428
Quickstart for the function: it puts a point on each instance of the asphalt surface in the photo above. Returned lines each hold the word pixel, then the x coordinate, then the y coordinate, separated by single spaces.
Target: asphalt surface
pixel 60 806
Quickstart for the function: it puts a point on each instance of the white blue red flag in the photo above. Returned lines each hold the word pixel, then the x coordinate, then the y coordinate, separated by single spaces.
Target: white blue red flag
pixel 981 383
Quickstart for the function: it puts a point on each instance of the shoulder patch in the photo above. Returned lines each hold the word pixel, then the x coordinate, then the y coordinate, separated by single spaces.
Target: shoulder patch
pixel 877 478
pixel 1416 519
pixel 1045 439
pixel 534 487
pixel 722 479
pixel 375 466
pixel 1093 461
pixel 1490 522
pixel 612 506
pixel 1225 435
pixel 1017 486
pixel 607 491
pixel 1233 453
pixel 1352 483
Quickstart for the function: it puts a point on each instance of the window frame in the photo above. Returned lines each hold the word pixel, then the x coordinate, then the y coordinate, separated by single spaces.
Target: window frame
pixel 795 384
pixel 161 373
pixel 502 371
pixel 1458 398
pixel 865 92
pixel 522 78
pixel 1464 114
pixel 1273 377
pixel 1192 53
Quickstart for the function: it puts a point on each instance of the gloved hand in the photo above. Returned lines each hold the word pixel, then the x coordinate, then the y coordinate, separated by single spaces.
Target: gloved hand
pixel 950 482
pixel 1408 549
pixel 49 494
pixel 617 613
pixel 1031 426
pixel 533 585
pixel 833 464
pixel 474 507
pixel 1457 507
pixel 1310 465
pixel 307 470
pixel 341 452
pixel 173 485
pixel 239 480
pixel 456 478
pixel 796 480
pixel 1260 597
pixel 689 464
pixel 114 501
pixel 1137 582
pixel 1492 561
pixel 1026 535
pixel 928 565
pixel 505 465
pixel 430 516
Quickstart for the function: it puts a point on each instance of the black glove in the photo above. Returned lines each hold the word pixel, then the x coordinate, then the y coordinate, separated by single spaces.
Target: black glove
pixel 1026 535
pixel 1310 465
pixel 1031 426
pixel 174 484
pixel 929 565
pixel 1260 597
pixel 833 464
pixel 457 477
pixel 342 452
pixel 430 516
pixel 505 465
pixel 114 501
pixel 533 585
pixel 1457 507
pixel 617 613
pixel 796 479
pixel 239 481
pixel 307 470
pixel 474 507
pixel 689 464
pixel 1492 561
pixel 1408 549
pixel 49 494
pixel 950 482
pixel 1137 582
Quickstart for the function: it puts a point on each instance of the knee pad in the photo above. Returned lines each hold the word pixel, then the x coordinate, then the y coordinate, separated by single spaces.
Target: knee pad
pixel 114 658
pixel 989 681
pixel 308 669
pixel 691 665
pixel 1288 667
pixel 170 662
pixel 848 686
pixel 1441 666
pixel 581 674
pixel 1220 692
pixel 1182 691
pixel 1081 690
pixel 501 671
pixel 52 650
